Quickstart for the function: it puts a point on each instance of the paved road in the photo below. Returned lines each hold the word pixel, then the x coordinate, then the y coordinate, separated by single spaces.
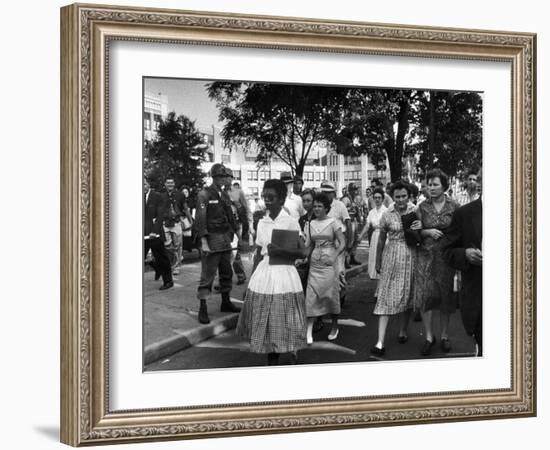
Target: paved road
pixel 358 332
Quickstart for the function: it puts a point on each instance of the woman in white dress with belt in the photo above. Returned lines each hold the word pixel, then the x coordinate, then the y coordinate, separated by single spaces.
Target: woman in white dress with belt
pixel 373 223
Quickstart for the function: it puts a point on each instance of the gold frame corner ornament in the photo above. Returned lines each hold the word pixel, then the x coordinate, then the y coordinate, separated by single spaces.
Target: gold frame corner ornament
pixel 86 31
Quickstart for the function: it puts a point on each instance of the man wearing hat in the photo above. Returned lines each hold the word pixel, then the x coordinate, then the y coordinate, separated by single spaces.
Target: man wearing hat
pixel 339 212
pixel 298 185
pixel 293 203
pixel 239 208
pixel 215 226
pixel 353 210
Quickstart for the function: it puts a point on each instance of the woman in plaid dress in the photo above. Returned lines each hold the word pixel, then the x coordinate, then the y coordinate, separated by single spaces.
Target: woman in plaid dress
pixel 273 318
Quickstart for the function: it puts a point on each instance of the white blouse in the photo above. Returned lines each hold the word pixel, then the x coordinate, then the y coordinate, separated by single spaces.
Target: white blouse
pixel 266 226
pixel 375 214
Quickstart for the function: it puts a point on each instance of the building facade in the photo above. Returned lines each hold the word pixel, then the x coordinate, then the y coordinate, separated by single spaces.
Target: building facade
pixel 246 171
pixel 342 170
pixel 155 108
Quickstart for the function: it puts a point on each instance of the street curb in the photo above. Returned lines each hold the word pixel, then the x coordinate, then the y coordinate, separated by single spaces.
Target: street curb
pixel 174 344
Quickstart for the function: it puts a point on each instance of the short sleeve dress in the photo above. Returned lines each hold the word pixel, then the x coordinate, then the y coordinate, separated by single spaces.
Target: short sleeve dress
pixel 323 291
pixel 273 317
pixel 396 274
pixel 433 285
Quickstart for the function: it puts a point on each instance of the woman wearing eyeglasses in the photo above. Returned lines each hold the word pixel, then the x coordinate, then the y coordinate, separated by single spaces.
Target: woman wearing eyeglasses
pixel 372 229
pixel 273 317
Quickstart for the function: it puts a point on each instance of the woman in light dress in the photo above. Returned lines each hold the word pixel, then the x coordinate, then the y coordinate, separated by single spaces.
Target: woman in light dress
pixel 395 263
pixel 325 241
pixel 273 317
pixel 372 229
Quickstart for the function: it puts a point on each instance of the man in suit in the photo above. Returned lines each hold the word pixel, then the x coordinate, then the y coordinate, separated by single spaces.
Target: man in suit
pixel 154 214
pixel 462 249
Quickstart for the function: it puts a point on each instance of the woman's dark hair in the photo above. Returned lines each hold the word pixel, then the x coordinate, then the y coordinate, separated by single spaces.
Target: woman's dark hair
pixel 438 173
pixel 321 197
pixel 278 186
pixel 308 192
pixel 399 184
pixel 378 190
pixel 414 189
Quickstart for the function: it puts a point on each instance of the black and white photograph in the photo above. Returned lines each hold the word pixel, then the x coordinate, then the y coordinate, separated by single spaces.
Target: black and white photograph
pixel 290 224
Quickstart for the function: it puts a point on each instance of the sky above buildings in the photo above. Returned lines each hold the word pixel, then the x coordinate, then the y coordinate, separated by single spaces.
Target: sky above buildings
pixel 187 97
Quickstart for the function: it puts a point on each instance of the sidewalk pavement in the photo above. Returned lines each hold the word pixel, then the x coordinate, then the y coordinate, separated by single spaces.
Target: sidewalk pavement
pixel 171 316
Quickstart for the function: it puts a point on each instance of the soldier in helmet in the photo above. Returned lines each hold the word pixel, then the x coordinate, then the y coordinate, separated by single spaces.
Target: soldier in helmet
pixel 215 226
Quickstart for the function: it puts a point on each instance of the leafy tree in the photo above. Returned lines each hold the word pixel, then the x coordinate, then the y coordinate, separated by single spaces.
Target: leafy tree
pixel 279 120
pixel 176 152
pixel 438 129
pixel 448 134
pixel 376 122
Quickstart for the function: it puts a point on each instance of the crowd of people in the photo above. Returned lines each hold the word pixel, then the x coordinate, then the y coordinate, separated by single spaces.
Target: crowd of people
pixel 424 253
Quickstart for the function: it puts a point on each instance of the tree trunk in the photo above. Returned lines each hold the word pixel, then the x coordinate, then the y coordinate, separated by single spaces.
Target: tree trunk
pixel 431 132
pixel 402 128
pixel 393 160
pixel 299 169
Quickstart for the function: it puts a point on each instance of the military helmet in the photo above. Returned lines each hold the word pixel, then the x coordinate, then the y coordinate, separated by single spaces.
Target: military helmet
pixel 218 170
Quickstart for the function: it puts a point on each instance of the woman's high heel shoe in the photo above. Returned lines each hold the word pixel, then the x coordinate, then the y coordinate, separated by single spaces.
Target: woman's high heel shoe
pixel 333 334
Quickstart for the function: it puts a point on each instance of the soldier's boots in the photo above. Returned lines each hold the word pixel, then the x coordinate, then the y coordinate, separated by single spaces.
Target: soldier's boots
pixel 203 313
pixel 226 305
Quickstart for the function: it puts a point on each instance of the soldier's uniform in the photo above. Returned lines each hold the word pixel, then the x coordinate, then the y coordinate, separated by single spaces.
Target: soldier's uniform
pixel 214 221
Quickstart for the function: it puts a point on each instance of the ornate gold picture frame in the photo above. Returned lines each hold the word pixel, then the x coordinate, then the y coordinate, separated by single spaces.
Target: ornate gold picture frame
pixel 87 31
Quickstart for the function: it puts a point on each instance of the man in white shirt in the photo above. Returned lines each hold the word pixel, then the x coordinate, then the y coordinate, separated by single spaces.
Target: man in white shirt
pixel 293 203
pixel 471 193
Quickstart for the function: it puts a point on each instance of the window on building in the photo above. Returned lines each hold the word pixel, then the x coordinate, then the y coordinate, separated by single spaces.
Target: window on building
pixel 156 121
pixel 147 121
pixel 263 175
pixel 236 174
pixel 226 159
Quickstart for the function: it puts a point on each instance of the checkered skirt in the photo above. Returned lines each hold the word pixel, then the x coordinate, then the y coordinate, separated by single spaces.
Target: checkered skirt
pixel 273 317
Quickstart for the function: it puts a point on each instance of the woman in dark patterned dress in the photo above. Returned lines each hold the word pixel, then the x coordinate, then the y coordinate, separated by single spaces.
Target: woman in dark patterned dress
pixel 434 278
